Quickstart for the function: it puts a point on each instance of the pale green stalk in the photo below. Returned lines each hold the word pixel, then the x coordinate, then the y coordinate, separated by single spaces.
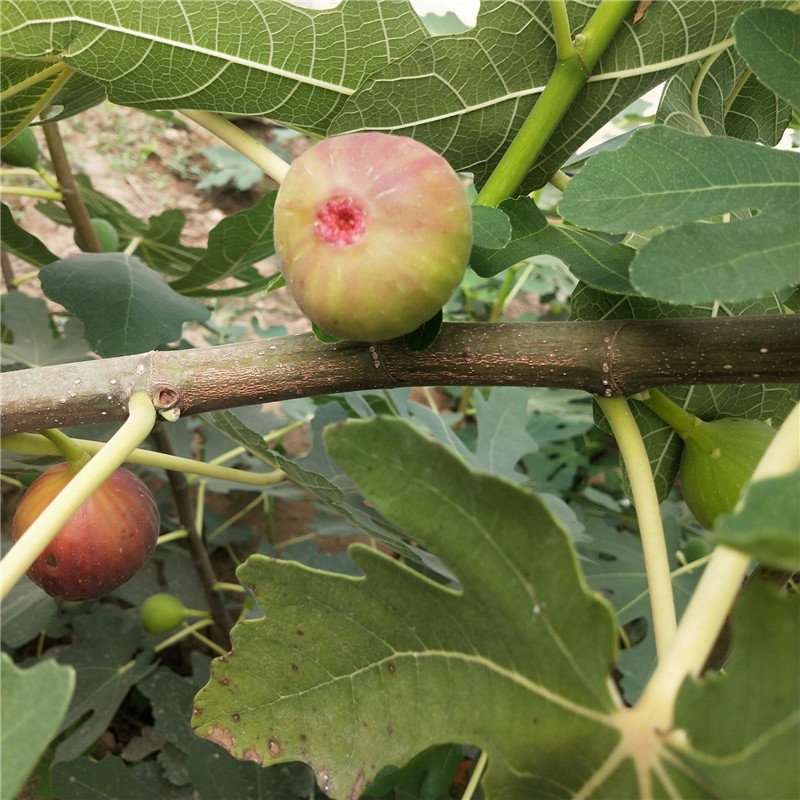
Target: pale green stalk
pixel 35 444
pixel 648 513
pixel 44 529
pixel 261 156
pixel 24 191
pixel 713 598
pixel 567 80
pixel 558 13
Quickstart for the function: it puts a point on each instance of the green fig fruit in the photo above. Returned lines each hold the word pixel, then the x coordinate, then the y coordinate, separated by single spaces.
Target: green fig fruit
pixel 106 234
pixel 373 233
pixel 22 150
pixel 696 549
pixel 161 613
pixel 718 459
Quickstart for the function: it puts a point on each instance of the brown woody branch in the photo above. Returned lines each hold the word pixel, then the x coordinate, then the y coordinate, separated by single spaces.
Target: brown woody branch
pixel 608 357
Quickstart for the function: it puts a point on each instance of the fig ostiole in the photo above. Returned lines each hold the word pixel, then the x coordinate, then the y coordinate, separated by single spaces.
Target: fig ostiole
pixel 103 544
pixel 373 234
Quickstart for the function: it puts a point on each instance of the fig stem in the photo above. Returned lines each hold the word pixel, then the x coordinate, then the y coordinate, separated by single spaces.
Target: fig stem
pixel 36 444
pixel 564 47
pixel 261 156
pixel 25 191
pixel 568 78
pixel 645 501
pixel 714 596
pixel 97 470
pixel 680 420
pixel 69 448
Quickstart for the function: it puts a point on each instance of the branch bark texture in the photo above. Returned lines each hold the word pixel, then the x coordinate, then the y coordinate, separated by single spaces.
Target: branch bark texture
pixel 606 358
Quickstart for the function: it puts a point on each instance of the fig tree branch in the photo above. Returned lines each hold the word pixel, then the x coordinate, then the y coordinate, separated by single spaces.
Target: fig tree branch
pixel 607 358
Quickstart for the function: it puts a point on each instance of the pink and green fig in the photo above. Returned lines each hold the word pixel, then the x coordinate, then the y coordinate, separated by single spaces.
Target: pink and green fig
pixel 373 233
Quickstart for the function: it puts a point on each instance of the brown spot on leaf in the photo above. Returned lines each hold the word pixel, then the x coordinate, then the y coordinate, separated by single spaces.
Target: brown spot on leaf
pixel 275 748
pixel 358 787
pixel 295 668
pixel 391 667
pixel 389 730
pixel 224 681
pixel 235 716
pixel 221 736
pixel 251 754
pixel 300 633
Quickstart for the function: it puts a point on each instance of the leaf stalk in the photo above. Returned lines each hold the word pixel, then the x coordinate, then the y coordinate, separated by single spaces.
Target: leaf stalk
pixel 568 78
pixel 645 500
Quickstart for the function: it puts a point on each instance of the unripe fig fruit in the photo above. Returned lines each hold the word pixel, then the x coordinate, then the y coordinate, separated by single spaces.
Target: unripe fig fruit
pixel 106 234
pixel 161 613
pixel 695 549
pixel 718 459
pixel 22 150
pixel 373 233
pixel 103 544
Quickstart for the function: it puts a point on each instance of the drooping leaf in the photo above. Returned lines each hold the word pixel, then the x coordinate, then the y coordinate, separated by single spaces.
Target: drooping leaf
pixel 595 258
pixel 767 524
pixel 34 702
pixel 15 239
pixel 467 95
pixel 36 342
pixel 721 97
pixel 317 473
pixel 516 662
pixel 238 241
pixel 769 41
pixel 293 65
pixel 126 308
pixel 666 177
pixel 743 727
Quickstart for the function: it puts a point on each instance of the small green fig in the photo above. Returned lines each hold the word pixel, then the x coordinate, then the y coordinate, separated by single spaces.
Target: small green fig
pixel 102 545
pixel 22 150
pixel 161 613
pixel 696 549
pixel 718 459
pixel 373 233
pixel 106 234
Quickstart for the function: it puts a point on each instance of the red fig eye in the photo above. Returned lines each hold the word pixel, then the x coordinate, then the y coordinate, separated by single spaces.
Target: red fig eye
pixel 340 221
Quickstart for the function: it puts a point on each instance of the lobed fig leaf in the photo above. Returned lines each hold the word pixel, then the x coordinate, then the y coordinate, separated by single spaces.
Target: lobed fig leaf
pixel 373 233
pixel 103 544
